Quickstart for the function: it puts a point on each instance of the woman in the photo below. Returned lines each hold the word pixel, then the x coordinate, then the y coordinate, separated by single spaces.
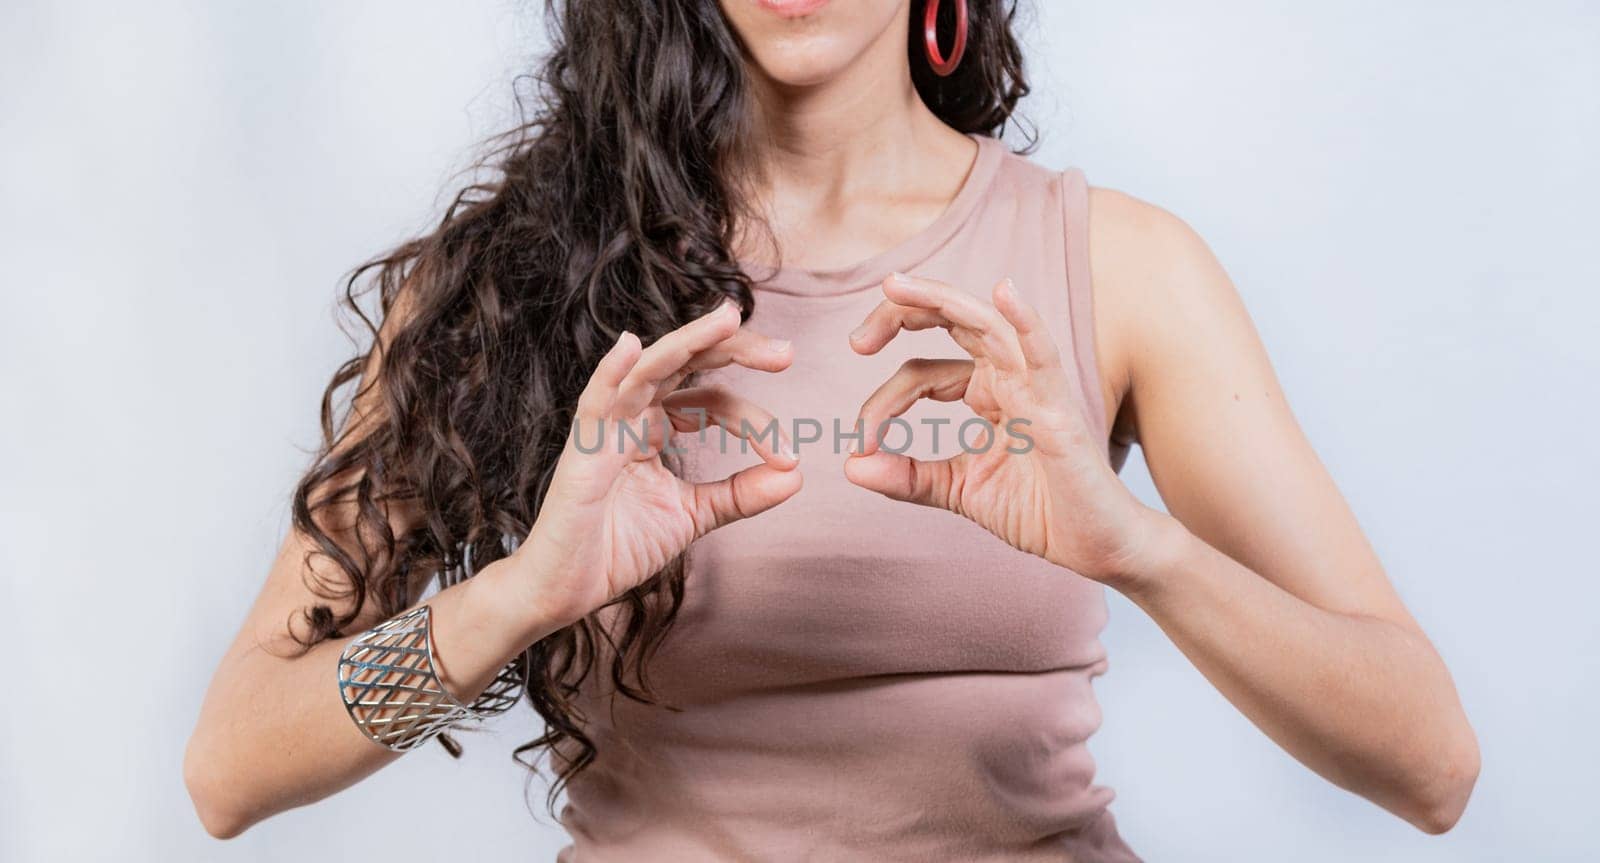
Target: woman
pixel 772 217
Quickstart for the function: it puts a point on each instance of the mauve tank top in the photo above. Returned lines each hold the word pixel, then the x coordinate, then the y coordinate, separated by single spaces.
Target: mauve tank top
pixel 854 678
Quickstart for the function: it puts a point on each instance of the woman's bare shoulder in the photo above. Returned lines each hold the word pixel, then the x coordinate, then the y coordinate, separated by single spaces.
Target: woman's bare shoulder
pixel 1139 245
pixel 1160 294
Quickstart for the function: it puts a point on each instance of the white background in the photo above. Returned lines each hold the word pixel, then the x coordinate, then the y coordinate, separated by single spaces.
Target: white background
pixel 1404 191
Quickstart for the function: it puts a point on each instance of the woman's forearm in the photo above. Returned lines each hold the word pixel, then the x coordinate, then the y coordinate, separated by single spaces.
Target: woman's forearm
pixel 274 733
pixel 1366 703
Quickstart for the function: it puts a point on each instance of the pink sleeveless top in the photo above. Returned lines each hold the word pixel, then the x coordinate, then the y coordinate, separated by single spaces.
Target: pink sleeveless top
pixel 853 678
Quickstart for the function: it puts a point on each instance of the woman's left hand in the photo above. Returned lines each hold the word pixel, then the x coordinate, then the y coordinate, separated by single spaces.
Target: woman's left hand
pixel 1056 495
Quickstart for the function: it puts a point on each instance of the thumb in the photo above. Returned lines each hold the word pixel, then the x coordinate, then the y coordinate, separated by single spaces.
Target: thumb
pixel 749 492
pixel 899 477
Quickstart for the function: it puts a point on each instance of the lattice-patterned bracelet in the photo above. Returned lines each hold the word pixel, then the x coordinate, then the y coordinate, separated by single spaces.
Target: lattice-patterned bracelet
pixel 388 683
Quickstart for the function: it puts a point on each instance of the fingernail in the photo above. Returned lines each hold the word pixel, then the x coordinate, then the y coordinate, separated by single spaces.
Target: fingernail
pixel 1008 289
pixel 790 450
pixel 858 333
pixel 779 346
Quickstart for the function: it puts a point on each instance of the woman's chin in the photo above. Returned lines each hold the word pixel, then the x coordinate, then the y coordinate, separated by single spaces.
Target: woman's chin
pixel 803 43
pixel 802 62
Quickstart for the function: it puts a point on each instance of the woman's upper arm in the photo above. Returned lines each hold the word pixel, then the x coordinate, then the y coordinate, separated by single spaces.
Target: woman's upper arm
pixel 1197 390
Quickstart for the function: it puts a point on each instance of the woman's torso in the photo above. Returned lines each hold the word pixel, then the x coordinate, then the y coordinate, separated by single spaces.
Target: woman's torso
pixel 853 678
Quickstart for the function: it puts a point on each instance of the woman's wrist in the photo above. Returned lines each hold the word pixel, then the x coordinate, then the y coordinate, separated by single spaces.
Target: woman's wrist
pixel 506 598
pixel 1153 552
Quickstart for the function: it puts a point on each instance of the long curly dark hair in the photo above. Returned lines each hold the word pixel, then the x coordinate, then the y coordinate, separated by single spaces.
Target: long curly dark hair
pixel 612 206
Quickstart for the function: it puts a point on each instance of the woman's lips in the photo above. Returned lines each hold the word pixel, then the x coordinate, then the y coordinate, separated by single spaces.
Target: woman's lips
pixel 792 8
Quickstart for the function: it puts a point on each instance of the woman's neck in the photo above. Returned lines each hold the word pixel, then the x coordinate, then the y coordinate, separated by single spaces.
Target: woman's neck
pixel 848 166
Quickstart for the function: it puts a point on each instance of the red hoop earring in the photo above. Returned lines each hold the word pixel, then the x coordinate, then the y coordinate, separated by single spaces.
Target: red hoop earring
pixel 930 35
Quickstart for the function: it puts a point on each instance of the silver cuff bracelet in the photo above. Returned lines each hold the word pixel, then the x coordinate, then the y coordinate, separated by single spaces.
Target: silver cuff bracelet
pixel 388 684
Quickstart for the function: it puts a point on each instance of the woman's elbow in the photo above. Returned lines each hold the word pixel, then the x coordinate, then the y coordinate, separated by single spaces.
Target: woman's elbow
pixel 206 792
pixel 1441 799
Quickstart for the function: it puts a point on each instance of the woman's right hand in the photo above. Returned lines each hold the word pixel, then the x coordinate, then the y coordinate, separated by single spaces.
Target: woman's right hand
pixel 615 515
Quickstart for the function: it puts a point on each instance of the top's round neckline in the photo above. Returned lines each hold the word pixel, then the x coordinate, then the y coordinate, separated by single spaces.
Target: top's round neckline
pixel 902 256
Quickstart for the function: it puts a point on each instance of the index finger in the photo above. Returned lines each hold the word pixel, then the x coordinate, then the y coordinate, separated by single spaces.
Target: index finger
pixel 745 348
pixel 669 354
pixel 916 303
